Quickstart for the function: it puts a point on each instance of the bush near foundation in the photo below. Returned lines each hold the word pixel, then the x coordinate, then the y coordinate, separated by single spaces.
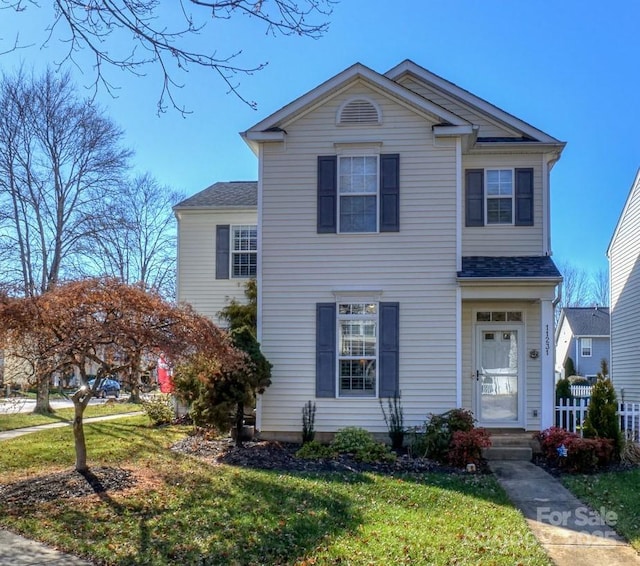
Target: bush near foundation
pixel 583 455
pixel 466 447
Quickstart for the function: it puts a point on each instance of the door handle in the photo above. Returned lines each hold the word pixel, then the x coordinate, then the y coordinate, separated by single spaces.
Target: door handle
pixel 477 375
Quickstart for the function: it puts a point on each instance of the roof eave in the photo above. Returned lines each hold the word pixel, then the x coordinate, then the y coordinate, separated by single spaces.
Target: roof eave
pixel 503 281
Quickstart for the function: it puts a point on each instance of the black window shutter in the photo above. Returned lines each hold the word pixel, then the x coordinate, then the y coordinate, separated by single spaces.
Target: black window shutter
pixel 390 193
pixel 524 197
pixel 325 350
pixel 327 194
pixel 474 197
pixel 389 349
pixel 222 251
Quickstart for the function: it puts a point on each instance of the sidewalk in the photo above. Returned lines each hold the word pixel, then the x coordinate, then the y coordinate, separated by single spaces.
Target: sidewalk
pixel 570 532
pixel 9 434
pixel 19 551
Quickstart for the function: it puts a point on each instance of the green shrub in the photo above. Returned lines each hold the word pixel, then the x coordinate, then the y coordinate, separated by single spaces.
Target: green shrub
pixel 569 368
pixel 563 389
pixel 578 380
pixel 466 447
pixel 359 442
pixel 417 442
pixel 159 409
pixel 351 439
pixel 602 415
pixel 439 430
pixel 313 450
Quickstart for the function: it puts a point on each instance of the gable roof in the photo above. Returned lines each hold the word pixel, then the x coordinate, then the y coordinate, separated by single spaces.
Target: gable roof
pixel 530 133
pixel 272 124
pixel 273 128
pixel 230 194
pixel 502 267
pixel 633 193
pixel 588 321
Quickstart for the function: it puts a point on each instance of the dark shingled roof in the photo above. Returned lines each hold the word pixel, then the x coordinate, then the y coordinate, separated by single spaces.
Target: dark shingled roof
pixel 588 321
pixel 508 267
pixel 229 194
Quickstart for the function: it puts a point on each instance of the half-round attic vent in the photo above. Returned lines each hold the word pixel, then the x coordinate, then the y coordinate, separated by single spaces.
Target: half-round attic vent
pixel 359 111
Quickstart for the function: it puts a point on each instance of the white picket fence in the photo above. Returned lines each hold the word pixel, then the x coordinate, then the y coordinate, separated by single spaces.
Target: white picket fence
pixel 571 413
pixel 581 390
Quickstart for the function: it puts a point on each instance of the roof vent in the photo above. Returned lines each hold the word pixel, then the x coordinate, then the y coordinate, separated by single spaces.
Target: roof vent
pixel 359 111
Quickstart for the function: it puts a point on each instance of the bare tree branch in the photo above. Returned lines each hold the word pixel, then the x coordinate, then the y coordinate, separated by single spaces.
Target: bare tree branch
pixel 157 38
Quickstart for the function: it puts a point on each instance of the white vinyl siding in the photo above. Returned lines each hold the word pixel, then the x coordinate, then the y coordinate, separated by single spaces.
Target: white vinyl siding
pixel 315 266
pixel 196 277
pixel 505 239
pixel 624 261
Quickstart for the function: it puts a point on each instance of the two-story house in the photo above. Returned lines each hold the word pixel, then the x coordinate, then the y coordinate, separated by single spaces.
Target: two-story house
pixel 403 247
pixel 582 334
pixel 624 275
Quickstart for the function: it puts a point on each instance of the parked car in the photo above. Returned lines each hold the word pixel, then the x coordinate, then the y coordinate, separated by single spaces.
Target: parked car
pixel 106 387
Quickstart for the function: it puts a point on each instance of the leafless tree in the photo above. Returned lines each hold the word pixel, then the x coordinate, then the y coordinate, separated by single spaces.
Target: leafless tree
pixel 600 287
pixel 133 236
pixel 59 157
pixel 169 36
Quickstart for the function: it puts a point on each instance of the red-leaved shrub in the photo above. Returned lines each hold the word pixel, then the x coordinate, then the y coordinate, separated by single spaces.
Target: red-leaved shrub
pixel 582 455
pixel 466 447
pixel 551 439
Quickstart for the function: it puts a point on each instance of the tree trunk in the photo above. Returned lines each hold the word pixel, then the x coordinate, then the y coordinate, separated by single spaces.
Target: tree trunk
pixel 239 423
pixel 79 405
pixel 134 396
pixel 42 397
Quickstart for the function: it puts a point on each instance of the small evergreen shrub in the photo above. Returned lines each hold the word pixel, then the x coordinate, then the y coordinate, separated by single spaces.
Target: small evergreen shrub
pixel 466 447
pixel 308 422
pixel 563 389
pixel 159 409
pixel 578 380
pixel 351 439
pixel 439 430
pixel 359 442
pixel 313 450
pixel 602 419
pixel 569 368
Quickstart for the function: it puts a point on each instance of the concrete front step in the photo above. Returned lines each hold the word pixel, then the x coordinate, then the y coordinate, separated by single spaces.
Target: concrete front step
pixel 510 445
pixel 508 453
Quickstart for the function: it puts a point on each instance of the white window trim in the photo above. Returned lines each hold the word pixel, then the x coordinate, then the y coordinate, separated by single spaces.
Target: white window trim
pixel 232 252
pixel 350 154
pixel 487 197
pixel 582 348
pixel 339 317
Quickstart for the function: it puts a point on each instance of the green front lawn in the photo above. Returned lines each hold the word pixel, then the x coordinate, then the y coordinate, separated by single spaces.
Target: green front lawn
pixel 615 492
pixel 185 511
pixel 22 420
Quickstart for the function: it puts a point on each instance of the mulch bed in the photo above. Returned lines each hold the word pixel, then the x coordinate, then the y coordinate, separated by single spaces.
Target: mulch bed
pixel 263 455
pixel 68 483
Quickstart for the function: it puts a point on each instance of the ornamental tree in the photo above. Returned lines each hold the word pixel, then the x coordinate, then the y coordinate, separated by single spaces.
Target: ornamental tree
pixel 115 327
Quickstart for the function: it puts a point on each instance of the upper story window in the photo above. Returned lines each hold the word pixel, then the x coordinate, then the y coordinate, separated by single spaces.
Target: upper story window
pixel 358 111
pixel 499 196
pixel 358 193
pixel 357 348
pixel 244 251
pixel 585 347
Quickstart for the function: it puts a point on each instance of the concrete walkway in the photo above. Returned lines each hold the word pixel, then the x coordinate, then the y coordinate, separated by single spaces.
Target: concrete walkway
pixel 19 551
pixel 570 532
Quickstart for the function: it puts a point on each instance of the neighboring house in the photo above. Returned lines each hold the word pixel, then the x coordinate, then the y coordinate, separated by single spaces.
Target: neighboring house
pixel 217 245
pixel 403 248
pixel 582 334
pixel 624 275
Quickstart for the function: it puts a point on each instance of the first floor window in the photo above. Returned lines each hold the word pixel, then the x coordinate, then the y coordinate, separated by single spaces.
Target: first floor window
pixel 358 193
pixel 357 348
pixel 244 251
pixel 499 196
pixel 585 344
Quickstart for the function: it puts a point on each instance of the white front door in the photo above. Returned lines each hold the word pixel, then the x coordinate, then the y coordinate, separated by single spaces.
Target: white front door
pixel 499 388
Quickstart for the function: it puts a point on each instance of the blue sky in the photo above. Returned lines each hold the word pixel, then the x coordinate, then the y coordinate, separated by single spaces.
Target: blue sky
pixel 569 68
